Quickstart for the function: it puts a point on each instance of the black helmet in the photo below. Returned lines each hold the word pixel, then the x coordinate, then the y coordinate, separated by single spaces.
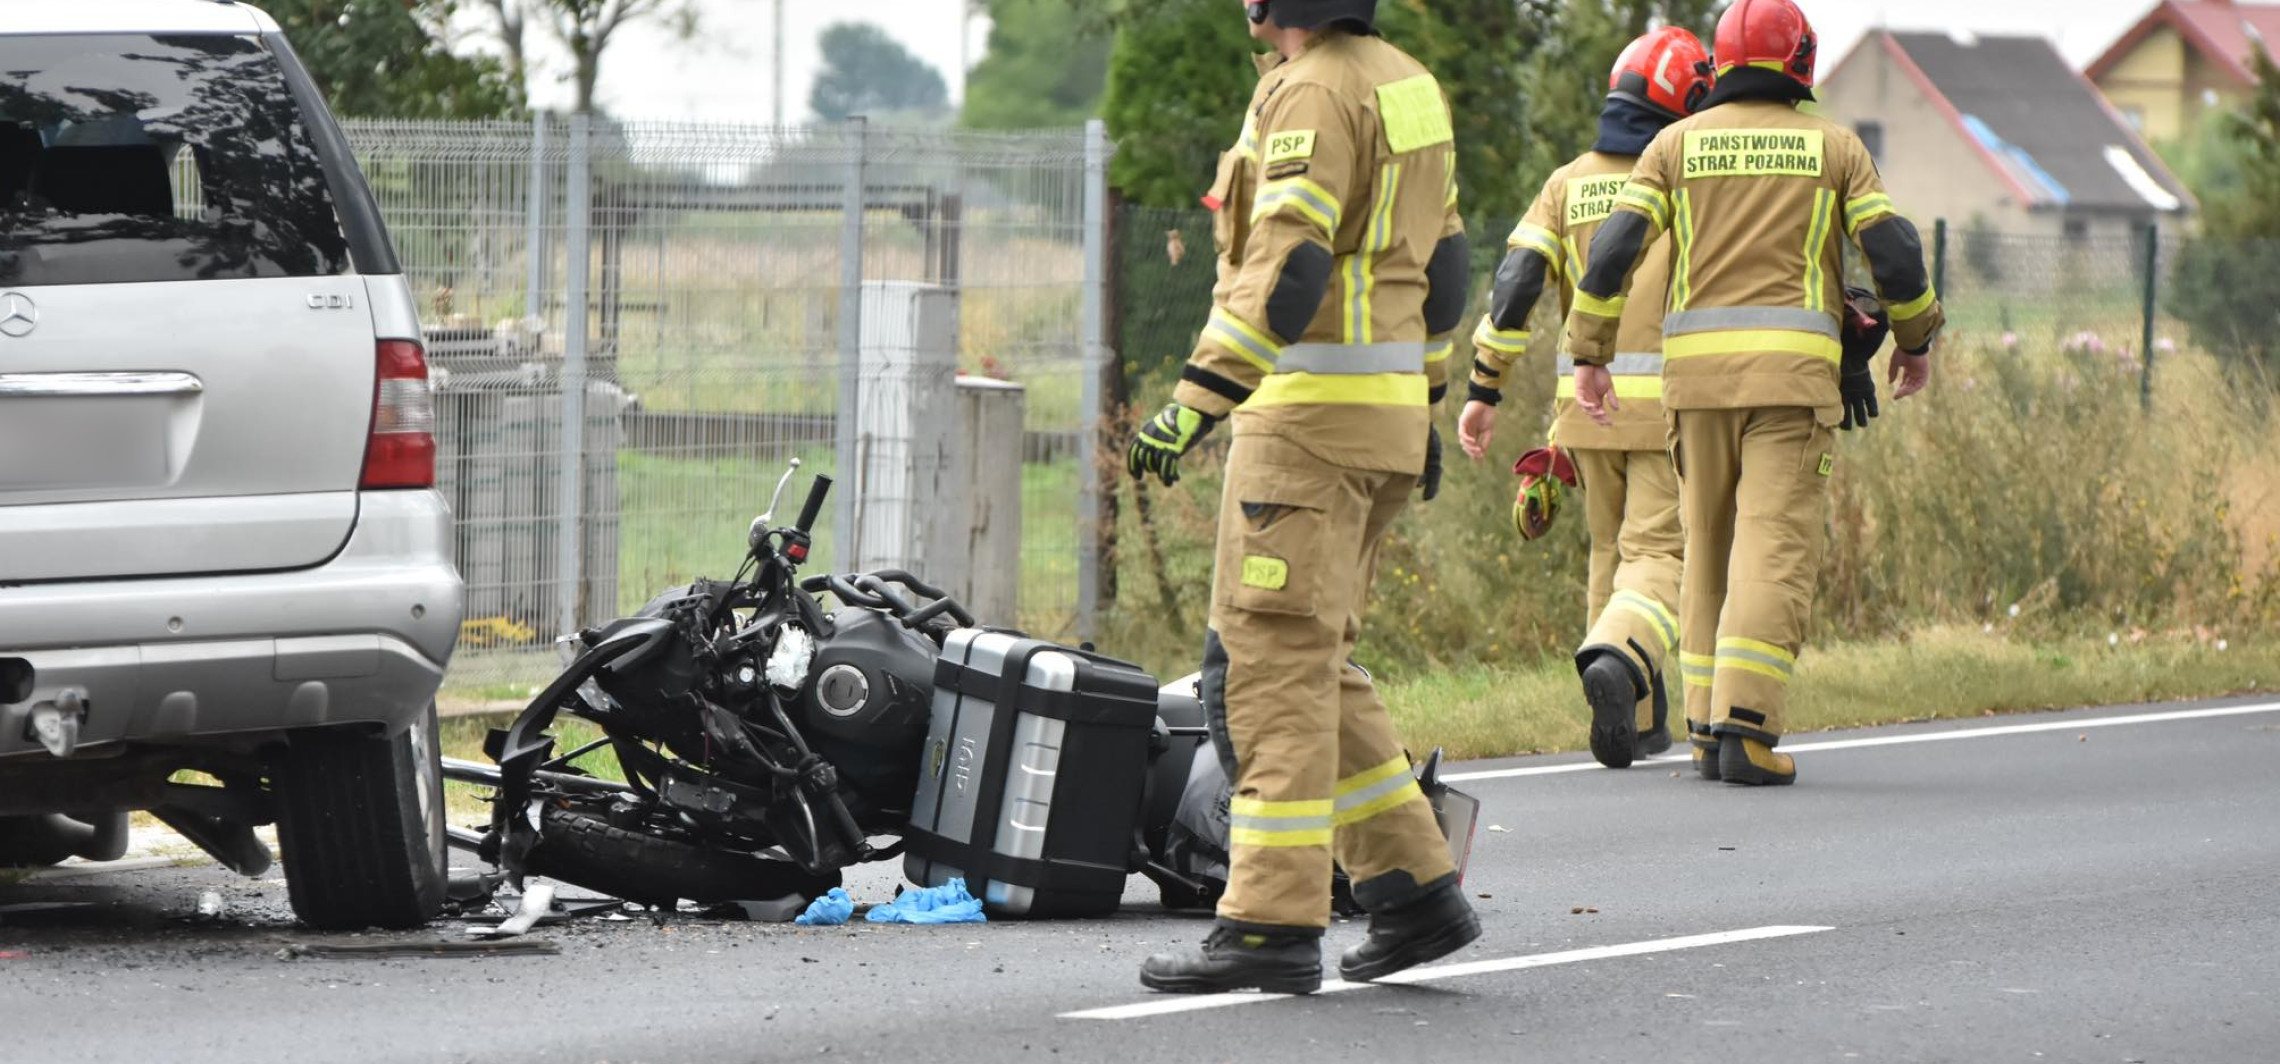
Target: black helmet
pixel 1308 14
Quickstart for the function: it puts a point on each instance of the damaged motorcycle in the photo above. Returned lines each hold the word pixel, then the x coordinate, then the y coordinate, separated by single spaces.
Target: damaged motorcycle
pixel 754 743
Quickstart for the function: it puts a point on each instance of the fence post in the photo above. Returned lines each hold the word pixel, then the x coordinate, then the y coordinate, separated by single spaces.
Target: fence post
pixel 1095 348
pixel 846 548
pixel 534 285
pixel 571 445
pixel 2152 299
pixel 1939 257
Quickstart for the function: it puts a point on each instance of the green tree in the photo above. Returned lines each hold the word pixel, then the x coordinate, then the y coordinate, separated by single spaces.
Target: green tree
pixel 584 27
pixel 1563 81
pixel 1046 67
pixel 1178 76
pixel 2223 282
pixel 388 59
pixel 866 72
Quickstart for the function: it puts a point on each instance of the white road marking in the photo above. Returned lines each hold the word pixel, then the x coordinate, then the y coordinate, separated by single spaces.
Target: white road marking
pixel 2077 724
pixel 1169 1004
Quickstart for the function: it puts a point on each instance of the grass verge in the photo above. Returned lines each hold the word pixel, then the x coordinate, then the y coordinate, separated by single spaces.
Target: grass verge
pixel 1938 674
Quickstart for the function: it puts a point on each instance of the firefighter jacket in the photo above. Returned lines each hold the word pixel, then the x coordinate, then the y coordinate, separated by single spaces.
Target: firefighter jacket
pixel 1550 245
pixel 1755 195
pixel 1341 258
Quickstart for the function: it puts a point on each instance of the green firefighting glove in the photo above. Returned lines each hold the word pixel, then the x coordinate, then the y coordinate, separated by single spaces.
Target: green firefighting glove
pixel 1431 481
pixel 1866 325
pixel 1161 443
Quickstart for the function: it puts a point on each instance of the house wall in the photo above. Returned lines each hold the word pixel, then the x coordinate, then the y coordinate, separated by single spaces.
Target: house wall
pixel 1932 168
pixel 2152 85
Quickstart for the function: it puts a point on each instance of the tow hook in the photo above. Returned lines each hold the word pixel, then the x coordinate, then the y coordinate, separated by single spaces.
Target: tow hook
pixel 56 723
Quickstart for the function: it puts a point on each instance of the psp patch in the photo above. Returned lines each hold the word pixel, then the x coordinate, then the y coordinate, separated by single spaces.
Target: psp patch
pixel 1264 573
pixel 1828 464
pixel 1290 145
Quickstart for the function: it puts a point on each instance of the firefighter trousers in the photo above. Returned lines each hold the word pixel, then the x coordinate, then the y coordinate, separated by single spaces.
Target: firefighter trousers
pixel 1630 500
pixel 1316 765
pixel 1754 496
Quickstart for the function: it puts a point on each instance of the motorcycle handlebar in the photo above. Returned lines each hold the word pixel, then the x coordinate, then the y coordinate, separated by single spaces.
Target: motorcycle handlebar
pixel 813 507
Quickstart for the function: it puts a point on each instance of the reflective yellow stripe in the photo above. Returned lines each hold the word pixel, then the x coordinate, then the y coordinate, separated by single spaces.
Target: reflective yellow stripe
pixel 1611 307
pixel 1756 656
pixel 1376 239
pixel 1247 145
pixel 1574 265
pixel 1865 209
pixel 1698 669
pixel 1756 646
pixel 1372 791
pixel 1302 195
pixel 1650 201
pixel 1440 352
pixel 1752 342
pixel 1535 238
pixel 1374 774
pixel 1278 839
pixel 1503 341
pixel 1238 336
pixel 1626 387
pixel 1452 204
pixel 1375 389
pixel 1816 249
pixel 1666 625
pixel 1682 271
pixel 1915 308
pixel 1259 807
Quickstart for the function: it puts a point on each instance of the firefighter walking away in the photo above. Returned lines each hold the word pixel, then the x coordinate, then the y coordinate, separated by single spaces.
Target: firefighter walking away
pixel 1630 493
pixel 1342 273
pixel 1759 198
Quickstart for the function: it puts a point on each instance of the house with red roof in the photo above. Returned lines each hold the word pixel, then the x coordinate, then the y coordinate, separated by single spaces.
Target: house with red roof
pixel 2184 59
pixel 2000 132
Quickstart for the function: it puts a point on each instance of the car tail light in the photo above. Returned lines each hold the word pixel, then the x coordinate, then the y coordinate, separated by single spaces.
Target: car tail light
pixel 401 450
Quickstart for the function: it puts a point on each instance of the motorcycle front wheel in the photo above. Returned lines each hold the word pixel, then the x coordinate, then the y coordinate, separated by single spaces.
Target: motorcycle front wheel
pixel 648 870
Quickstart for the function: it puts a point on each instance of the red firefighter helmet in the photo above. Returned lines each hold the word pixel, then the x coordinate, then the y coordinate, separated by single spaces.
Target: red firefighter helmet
pixel 1666 70
pixel 1769 35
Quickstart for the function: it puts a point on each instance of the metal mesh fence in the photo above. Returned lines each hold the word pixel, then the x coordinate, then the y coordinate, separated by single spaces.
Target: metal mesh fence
pixel 633 328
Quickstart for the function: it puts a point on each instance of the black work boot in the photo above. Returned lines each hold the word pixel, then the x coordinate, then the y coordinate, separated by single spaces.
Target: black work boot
pixel 1655 741
pixel 1614 687
pixel 1705 750
pixel 1433 925
pixel 1235 959
pixel 1753 763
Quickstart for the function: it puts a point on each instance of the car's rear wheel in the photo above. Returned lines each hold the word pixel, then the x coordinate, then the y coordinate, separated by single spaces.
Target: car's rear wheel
pixel 360 821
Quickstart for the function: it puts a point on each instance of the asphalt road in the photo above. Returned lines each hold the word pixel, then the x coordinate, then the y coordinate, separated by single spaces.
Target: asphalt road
pixel 2066 887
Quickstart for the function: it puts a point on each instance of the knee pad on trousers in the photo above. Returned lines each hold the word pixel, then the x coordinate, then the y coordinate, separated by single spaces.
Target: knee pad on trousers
pixel 1213 693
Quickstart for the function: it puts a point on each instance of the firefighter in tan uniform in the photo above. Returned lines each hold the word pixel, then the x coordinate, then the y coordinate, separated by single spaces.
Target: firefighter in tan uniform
pixel 1630 494
pixel 1760 198
pixel 1341 276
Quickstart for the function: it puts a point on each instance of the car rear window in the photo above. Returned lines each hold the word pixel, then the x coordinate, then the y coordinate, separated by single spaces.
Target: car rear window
pixel 156 158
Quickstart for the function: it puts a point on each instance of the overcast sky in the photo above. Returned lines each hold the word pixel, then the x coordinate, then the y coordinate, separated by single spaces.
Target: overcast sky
pixel 724 76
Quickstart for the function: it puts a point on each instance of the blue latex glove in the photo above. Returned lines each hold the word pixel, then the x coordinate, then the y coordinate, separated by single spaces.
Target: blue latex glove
pixel 831 910
pixel 946 904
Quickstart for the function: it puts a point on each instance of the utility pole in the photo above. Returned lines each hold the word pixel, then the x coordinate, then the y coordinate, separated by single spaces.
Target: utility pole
pixel 777 39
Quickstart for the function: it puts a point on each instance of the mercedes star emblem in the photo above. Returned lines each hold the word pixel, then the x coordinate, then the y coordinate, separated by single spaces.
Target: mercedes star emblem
pixel 18 314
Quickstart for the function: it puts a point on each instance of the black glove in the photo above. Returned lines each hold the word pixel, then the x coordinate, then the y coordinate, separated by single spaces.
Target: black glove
pixel 1166 438
pixel 1431 482
pixel 1865 328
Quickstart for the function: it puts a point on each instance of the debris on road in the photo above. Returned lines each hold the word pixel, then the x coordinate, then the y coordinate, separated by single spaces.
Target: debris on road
pixel 518 947
pixel 831 910
pixel 537 902
pixel 946 904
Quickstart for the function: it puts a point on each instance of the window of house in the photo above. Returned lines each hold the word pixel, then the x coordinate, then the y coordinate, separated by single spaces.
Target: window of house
pixel 2077 230
pixel 1872 135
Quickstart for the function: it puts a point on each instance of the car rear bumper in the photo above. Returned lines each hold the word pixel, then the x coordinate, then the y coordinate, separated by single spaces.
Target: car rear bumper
pixel 361 639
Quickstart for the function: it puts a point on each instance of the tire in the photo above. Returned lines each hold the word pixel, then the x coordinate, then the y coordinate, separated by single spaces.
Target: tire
pixel 361 823
pixel 25 842
pixel 649 870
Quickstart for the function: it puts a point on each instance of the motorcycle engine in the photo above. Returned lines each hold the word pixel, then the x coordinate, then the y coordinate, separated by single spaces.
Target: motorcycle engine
pixel 866 704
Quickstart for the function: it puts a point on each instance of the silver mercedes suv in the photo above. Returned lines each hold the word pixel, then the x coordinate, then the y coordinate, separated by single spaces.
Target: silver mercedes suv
pixel 226 587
